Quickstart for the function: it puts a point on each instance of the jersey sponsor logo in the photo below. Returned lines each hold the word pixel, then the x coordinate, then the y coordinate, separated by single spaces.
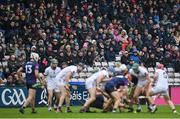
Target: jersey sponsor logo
pixel 13 97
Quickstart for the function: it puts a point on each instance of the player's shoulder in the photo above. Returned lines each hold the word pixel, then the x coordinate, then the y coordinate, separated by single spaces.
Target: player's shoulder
pixel 58 68
pixel 48 68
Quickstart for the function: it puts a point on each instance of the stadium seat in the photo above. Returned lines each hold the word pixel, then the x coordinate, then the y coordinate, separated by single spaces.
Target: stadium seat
pixel 88 74
pixel 74 80
pixel 4 64
pixel 171 80
pixel 171 75
pixel 151 69
pixel 151 75
pixel 81 80
pixel 165 69
pixel 176 84
pixel 104 64
pixel 97 64
pixel 111 63
pixel 82 75
pixel 176 80
pixel 90 69
pixel 177 75
pixel 95 69
pixel 118 58
pixel 171 84
pixel 170 70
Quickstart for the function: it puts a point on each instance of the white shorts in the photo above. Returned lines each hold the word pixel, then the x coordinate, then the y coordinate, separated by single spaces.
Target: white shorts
pixel 160 90
pixel 52 85
pixel 90 84
pixel 61 82
pixel 142 83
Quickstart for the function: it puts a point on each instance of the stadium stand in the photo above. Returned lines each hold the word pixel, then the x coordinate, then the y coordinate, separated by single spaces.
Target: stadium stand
pixel 97 33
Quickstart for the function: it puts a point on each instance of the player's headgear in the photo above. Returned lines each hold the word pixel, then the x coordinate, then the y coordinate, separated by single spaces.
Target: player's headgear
pixel 54 61
pixel 123 67
pixel 34 56
pixel 160 66
pixel 135 66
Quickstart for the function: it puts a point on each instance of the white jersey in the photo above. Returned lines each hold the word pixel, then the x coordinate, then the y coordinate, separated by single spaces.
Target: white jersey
pixel 142 73
pixel 91 81
pixel 162 78
pixel 50 73
pixel 51 78
pixel 62 75
pixel 95 76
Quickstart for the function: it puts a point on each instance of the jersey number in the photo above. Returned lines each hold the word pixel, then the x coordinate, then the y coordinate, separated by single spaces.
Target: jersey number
pixel 28 69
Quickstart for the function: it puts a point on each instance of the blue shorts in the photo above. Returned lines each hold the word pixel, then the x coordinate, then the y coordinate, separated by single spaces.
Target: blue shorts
pixel 109 88
pixel 99 102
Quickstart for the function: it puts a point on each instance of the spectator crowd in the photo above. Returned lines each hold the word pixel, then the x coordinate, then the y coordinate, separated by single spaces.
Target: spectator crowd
pixel 73 31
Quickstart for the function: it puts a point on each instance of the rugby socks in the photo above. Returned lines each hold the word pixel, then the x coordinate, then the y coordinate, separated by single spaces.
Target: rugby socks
pixel 114 110
pixel 174 111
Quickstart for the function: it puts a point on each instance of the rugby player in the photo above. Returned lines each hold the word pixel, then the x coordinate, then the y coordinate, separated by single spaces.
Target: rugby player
pixel 50 75
pixel 31 69
pixel 144 82
pixel 63 79
pixel 117 88
pixel 161 87
pixel 92 84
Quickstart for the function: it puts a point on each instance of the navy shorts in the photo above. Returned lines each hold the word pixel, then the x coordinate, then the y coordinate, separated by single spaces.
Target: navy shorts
pixel 30 86
pixel 99 102
pixel 109 88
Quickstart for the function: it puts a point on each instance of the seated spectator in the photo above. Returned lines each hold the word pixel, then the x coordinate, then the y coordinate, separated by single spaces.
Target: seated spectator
pixel 151 62
pixel 134 56
pixel 125 59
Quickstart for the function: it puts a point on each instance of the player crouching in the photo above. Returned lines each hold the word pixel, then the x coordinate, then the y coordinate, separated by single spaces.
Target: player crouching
pixel 92 84
pixel 63 79
pixel 117 88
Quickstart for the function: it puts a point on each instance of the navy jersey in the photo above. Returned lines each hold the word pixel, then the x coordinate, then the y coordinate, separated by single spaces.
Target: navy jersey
pixel 29 68
pixel 119 81
pixel 115 83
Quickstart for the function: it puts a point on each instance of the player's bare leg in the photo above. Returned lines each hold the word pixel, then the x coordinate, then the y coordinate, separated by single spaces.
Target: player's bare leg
pixel 31 94
pixel 92 98
pixel 67 99
pixel 107 105
pixel 152 107
pixel 50 95
pixel 170 103
pixel 62 98
pixel 33 105
pixel 117 100
pixel 135 100
pixel 57 95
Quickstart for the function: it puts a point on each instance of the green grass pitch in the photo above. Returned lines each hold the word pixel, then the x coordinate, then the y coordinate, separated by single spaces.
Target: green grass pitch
pixel 163 112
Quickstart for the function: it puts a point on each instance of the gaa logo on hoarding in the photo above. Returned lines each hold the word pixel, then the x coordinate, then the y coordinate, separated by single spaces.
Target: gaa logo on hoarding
pixel 13 97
